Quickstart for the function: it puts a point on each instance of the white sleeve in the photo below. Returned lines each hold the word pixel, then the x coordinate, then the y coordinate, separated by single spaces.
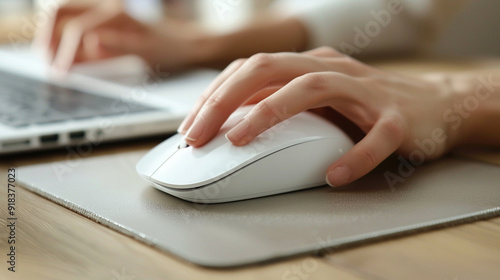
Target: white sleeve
pixel 360 27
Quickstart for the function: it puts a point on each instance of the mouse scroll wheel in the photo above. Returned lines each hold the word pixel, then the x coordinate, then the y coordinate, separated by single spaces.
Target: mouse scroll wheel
pixel 183 145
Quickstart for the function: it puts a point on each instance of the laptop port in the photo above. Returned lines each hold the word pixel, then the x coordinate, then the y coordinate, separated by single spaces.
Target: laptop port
pixel 77 135
pixel 49 139
pixel 16 144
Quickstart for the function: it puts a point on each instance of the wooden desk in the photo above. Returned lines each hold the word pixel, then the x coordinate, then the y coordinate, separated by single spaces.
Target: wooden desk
pixel 14 30
pixel 56 243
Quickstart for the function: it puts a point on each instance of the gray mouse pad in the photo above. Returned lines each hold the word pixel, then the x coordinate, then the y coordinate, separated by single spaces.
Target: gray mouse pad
pixel 108 190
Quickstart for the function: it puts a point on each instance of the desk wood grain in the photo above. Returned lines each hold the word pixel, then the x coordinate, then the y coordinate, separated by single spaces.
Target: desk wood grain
pixel 53 242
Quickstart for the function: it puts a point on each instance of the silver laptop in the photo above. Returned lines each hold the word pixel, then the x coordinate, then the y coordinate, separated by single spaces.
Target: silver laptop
pixel 38 112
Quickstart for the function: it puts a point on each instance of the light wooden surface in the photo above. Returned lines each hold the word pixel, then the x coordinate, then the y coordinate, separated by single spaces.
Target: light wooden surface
pixel 16 29
pixel 56 243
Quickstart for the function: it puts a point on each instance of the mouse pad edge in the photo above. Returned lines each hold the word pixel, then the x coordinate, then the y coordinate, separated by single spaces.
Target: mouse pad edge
pixel 356 239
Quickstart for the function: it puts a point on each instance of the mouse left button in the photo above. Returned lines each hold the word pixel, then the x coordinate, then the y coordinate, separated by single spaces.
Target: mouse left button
pixel 151 161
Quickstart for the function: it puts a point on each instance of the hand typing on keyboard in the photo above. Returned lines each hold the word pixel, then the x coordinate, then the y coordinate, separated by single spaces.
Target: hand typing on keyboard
pixel 89 32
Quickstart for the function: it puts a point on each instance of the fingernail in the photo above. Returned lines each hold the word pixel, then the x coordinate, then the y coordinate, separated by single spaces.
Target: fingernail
pixel 239 131
pixel 339 176
pixel 196 129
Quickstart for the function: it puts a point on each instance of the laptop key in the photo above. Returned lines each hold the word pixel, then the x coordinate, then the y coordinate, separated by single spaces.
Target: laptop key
pixel 25 101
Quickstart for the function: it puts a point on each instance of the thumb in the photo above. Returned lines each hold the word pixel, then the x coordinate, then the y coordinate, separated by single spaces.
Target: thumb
pixel 381 141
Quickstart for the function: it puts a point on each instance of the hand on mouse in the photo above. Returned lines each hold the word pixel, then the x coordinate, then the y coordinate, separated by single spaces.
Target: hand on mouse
pixel 396 112
pixel 87 32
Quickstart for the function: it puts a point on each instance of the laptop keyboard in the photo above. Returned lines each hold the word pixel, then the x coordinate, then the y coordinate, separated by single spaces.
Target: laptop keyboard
pixel 25 101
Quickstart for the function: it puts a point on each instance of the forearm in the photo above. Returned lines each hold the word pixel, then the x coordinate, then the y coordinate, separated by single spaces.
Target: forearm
pixel 475 112
pixel 266 35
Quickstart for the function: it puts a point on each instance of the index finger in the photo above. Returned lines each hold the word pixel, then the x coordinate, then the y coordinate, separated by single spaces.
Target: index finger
pixel 104 15
pixel 229 71
pixel 48 37
pixel 256 74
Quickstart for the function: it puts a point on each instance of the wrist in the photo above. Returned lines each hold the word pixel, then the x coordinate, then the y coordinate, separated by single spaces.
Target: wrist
pixel 267 35
pixel 474 104
pixel 204 50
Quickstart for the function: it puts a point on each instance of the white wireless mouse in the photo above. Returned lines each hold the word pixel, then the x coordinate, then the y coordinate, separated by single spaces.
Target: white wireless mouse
pixel 292 155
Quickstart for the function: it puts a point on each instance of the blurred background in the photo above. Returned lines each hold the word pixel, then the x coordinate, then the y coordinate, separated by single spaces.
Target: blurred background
pixel 474 32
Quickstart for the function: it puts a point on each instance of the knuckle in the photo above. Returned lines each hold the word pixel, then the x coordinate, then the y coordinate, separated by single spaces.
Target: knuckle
pixel 328 51
pixel 368 157
pixel 312 81
pixel 238 62
pixel 266 115
pixel 392 127
pixel 215 104
pixel 264 108
pixel 315 87
pixel 347 61
pixel 347 64
pixel 374 80
pixel 370 80
pixel 260 61
pixel 204 96
pixel 370 85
